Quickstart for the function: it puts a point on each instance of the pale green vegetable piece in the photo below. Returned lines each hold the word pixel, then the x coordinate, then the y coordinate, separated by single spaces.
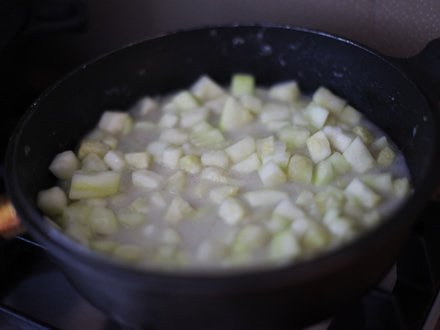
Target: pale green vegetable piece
pixel 190 164
pixel 242 83
pixel 327 99
pixel 274 112
pixel 115 160
pixel 288 210
pixel 338 137
pixel 276 125
pixel 92 147
pixel 340 164
pixel 284 245
pixel 96 184
pixel 219 194
pixel 114 122
pixel 381 182
pixel 350 115
pixel 241 149
pixel 323 173
pixel 111 141
pixel 318 147
pixel 64 165
pixel 93 163
pixel 300 169
pixel 140 204
pixel 264 197
pixel 156 149
pixel 365 195
pixel 190 118
pixel 103 221
pixel 231 211
pixel 178 210
pixel 252 103
pixel 359 157
pixel 386 156
pixel 144 125
pixel 146 179
pixel 248 165
pixel 316 115
pixel 174 136
pixel 171 156
pixel 214 174
pixel 315 237
pixel 145 106
pixel 217 158
pixel 184 101
pixel 209 250
pixel 211 137
pixel 103 246
pixel 364 133
pixel 158 199
pixel 170 236
pixel 177 181
pixel 130 219
pixel 294 136
pixel 138 160
pixel 168 120
pixel 271 174
pixel 265 146
pixel 216 105
pixel 52 201
pixel 249 238
pixel 287 91
pixel 206 89
pixel 277 223
pixel 234 115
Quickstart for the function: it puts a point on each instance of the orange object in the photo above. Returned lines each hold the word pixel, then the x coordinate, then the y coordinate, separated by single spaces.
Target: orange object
pixel 10 224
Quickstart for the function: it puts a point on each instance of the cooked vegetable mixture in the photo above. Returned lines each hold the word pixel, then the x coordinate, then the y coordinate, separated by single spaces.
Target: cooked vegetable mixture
pixel 221 177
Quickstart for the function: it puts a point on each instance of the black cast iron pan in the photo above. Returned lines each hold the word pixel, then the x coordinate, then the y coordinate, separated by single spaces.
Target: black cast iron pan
pixel 398 95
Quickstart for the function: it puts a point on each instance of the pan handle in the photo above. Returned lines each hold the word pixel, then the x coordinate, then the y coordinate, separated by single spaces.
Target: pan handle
pixel 424 69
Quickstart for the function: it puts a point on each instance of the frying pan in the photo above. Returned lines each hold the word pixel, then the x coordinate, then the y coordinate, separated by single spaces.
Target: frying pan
pixel 399 95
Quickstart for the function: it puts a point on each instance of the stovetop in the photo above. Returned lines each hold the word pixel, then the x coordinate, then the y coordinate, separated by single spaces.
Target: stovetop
pixel 34 294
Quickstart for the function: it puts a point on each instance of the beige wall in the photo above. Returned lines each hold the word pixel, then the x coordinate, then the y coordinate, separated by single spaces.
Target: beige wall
pixel 394 27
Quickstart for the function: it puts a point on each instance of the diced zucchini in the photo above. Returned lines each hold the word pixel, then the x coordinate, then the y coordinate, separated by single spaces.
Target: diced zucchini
pixel 138 160
pixel 358 155
pixel 103 221
pixel 323 173
pixel 144 125
pixel 64 164
pixel 277 223
pixel 158 199
pixel 249 238
pixel 284 245
pixel 130 219
pixel 206 89
pixel 264 197
pixel 209 250
pixel 333 198
pixel 318 146
pixel 215 158
pixel 92 147
pixel 338 138
pixel 174 136
pixel 287 91
pixel 252 103
pixel 294 136
pixel 156 149
pixel 92 185
pixel 141 204
pixel 327 99
pixel 350 115
pixel 276 125
pixel 114 122
pixel 280 156
pixel 288 210
pixel 185 101
pixel 248 165
pixel 146 179
pixel 207 138
pixel 315 237
pixel 177 181
pixel 234 115
pixel 214 174
pixel 219 194
pixel 216 105
pixel 386 156
pixel 265 146
pixel 168 120
pixel 145 106
pixel 190 118
pixel 111 141
pixel 93 163
pixel 300 169
pixel 274 112
pixel 316 115
pixel 340 164
pixel 271 174
pixel 364 133
pixel 231 211
pixel 115 160
pixel 241 149
pixel 365 195
pixel 178 210
pixel 52 201
pixel 170 236
pixel 381 182
pixel 190 164
pixel 103 246
pixel 379 144
pixel 242 83
pixel 171 156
